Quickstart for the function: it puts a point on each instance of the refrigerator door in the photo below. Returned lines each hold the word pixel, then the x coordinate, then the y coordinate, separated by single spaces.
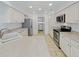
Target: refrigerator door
pixel 30 27
pixel 28 24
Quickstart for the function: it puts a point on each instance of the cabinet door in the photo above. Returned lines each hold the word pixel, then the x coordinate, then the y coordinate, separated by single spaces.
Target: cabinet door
pixel 3 12
pixel 65 46
pixel 74 48
pixel 74 52
pixel 14 16
pixel 72 14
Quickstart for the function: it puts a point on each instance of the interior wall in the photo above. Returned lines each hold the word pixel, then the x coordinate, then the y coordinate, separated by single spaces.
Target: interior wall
pixel 35 24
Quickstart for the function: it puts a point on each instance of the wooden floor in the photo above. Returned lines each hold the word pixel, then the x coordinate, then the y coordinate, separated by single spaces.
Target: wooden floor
pixel 53 49
pixel 31 46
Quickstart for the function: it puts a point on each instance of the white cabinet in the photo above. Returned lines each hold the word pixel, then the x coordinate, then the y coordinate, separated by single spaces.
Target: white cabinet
pixel 10 15
pixel 13 16
pixel 72 13
pixel 65 45
pixel 3 9
pixel 69 45
pixel 74 52
pixel 74 49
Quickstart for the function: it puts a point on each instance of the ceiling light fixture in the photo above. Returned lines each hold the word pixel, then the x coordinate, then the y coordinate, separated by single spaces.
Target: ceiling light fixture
pixel 30 6
pixel 50 4
pixel 40 8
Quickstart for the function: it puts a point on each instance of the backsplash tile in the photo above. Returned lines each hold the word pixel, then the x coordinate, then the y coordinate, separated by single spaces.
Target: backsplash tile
pixel 75 26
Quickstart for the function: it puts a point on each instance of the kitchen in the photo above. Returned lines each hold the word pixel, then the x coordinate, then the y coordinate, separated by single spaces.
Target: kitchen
pixel 21 23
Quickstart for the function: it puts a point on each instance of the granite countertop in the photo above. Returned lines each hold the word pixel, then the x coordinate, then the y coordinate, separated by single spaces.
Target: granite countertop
pixel 72 35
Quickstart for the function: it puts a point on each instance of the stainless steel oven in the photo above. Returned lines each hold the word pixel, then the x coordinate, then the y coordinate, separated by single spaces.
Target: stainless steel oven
pixel 56 36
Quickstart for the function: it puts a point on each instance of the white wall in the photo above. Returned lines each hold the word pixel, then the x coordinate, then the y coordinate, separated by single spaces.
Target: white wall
pixel 35 24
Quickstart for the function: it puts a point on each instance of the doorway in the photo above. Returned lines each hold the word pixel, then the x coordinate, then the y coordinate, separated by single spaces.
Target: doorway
pixel 41 25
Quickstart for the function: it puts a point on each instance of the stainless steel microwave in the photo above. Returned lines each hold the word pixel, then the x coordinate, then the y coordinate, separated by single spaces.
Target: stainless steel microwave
pixel 61 18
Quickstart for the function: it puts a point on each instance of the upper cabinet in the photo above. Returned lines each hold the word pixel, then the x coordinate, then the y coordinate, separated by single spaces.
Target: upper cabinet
pixel 10 15
pixel 3 9
pixel 14 16
pixel 72 13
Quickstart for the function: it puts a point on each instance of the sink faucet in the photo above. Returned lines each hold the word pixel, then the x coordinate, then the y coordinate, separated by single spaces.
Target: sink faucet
pixel 2 32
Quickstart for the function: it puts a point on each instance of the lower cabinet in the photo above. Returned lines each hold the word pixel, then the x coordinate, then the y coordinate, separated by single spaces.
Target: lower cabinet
pixel 65 46
pixel 74 52
pixel 69 46
pixel 74 48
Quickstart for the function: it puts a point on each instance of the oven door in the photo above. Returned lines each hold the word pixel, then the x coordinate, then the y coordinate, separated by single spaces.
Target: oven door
pixel 56 36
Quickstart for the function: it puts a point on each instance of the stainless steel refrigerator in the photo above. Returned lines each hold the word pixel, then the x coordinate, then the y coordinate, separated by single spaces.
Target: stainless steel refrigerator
pixel 28 24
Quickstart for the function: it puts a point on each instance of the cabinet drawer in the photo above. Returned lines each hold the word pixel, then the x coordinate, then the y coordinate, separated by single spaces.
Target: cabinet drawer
pixel 74 52
pixel 74 43
pixel 65 38
pixel 65 46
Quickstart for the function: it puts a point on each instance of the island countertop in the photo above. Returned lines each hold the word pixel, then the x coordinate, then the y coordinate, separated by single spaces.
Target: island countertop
pixel 71 35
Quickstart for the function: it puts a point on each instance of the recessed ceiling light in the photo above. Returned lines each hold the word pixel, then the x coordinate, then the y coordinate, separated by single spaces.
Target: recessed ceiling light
pixel 50 4
pixel 30 6
pixel 40 8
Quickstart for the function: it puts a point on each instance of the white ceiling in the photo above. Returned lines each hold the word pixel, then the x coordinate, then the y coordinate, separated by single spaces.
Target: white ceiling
pixel 23 6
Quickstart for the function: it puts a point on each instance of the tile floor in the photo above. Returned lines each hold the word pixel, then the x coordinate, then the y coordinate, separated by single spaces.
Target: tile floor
pixel 32 46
